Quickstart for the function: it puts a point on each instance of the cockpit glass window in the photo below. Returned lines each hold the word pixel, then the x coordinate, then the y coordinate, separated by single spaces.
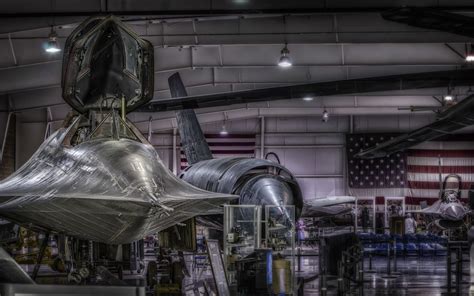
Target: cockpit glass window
pixel 451 183
pixel 131 48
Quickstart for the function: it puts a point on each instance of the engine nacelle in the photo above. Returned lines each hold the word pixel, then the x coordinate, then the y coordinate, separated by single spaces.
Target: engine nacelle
pixel 256 181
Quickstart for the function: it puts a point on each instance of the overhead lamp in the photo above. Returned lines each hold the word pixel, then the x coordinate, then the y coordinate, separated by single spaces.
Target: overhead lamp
pixel 53 44
pixel 224 131
pixel 308 98
pixel 325 116
pixel 449 97
pixel 470 54
pixel 285 60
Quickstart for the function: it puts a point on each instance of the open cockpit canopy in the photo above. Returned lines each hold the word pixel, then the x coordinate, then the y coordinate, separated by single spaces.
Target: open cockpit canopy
pixel 106 65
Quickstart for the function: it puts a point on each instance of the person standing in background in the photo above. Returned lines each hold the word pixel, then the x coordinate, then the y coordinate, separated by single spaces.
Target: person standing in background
pixel 300 231
pixel 410 224
pixel 365 219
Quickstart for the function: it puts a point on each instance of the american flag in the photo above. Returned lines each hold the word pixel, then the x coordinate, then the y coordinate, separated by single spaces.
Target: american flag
pixel 414 173
pixel 231 145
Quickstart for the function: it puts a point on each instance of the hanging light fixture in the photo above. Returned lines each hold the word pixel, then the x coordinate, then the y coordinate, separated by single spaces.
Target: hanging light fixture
pixel 448 97
pixel 325 116
pixel 224 131
pixel 285 60
pixel 53 44
pixel 308 98
pixel 470 54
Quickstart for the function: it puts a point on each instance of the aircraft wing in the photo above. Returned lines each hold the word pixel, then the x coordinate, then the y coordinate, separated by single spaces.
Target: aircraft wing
pixel 432 19
pixel 327 206
pixel 461 77
pixel 433 210
pixel 111 191
pixel 454 118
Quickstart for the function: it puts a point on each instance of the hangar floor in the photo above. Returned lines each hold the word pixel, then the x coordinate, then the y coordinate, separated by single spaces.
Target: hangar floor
pixel 417 276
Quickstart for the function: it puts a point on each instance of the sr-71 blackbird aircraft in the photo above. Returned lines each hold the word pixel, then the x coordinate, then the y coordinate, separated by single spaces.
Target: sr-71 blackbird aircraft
pixel 256 181
pixel 97 178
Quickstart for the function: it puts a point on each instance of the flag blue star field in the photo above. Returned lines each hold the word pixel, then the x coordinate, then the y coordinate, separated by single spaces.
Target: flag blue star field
pixel 385 176
pixel 415 173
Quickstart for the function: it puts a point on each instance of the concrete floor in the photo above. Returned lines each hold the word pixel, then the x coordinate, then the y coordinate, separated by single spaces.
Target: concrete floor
pixel 417 276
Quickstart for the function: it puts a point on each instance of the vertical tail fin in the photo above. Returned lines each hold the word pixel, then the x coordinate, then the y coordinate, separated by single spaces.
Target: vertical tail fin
pixel 192 138
pixel 176 85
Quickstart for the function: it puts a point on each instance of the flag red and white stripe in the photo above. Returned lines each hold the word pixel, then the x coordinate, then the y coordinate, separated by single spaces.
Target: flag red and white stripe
pixel 414 173
pixel 426 161
pixel 231 145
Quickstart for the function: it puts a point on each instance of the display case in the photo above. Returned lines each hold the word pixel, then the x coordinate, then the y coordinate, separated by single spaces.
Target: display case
pixel 280 231
pixel 242 235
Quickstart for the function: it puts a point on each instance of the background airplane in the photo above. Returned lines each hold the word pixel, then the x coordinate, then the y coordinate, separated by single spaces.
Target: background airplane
pixel 448 212
pixel 256 181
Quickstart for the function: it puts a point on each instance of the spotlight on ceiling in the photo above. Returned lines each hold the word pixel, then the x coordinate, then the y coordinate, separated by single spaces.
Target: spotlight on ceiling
pixel 285 60
pixel 308 98
pixel 224 131
pixel 325 116
pixel 53 44
pixel 470 54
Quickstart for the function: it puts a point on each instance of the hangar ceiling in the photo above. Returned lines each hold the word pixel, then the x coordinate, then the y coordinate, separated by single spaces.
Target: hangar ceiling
pixel 235 45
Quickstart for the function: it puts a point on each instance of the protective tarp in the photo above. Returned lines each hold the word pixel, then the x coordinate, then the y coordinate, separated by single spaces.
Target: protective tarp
pixel 11 272
pixel 102 189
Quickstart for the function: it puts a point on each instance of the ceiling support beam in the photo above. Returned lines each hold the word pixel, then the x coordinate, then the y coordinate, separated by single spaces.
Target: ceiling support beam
pixel 165 124
pixel 15 62
pixel 213 12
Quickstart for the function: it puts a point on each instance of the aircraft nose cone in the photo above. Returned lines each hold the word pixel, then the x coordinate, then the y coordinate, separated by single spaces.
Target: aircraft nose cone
pixel 267 191
pixel 455 212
